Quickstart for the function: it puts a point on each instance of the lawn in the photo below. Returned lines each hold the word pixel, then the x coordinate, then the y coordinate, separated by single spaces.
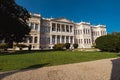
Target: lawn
pixel 37 59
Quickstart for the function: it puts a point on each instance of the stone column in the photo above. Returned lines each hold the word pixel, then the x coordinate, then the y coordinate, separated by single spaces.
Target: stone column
pixel 73 40
pixel 65 28
pixel 60 28
pixel 38 26
pixel 50 39
pixel 60 39
pixel 73 29
pixel 100 33
pixel 55 39
pixel 69 28
pixel 64 39
pixel 69 39
pixel 38 39
pixel 50 27
pixel 56 27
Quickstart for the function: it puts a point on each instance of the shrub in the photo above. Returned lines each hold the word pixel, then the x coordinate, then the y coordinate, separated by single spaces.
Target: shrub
pixel 67 45
pixel 29 47
pixel 20 46
pixel 3 47
pixel 94 45
pixel 59 46
pixel 108 43
pixel 75 46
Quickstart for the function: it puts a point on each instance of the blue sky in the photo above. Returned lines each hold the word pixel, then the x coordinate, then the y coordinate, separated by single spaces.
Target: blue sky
pixel 106 12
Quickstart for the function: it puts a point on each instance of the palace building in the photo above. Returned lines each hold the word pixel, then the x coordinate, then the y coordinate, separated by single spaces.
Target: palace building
pixel 46 32
pixel 86 34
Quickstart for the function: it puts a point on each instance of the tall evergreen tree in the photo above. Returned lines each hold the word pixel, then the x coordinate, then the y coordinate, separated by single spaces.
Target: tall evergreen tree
pixel 13 17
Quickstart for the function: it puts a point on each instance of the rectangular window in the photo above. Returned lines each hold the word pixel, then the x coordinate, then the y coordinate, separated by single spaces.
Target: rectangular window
pixel 53 39
pixel 31 39
pixel 53 26
pixel 48 29
pixel 36 27
pixel 32 26
pixel 63 39
pixel 67 28
pixel 89 41
pixel 67 39
pixel 83 31
pixel 48 41
pixel 63 28
pixel 35 40
pixel 70 28
pixel 58 39
pixel 75 32
pixel 76 41
pixel 84 41
pixel 80 31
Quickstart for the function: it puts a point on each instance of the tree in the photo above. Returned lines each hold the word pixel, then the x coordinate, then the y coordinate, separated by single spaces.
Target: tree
pixel 13 21
pixel 3 47
pixel 59 46
pixel 108 43
pixel 75 45
pixel 67 45
pixel 116 34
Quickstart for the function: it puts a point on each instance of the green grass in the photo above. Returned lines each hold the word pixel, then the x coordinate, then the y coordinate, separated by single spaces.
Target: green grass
pixel 37 59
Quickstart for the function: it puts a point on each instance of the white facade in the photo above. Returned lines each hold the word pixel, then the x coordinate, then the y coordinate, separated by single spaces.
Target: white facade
pixel 86 34
pixel 83 35
pixel 50 31
pixel 97 31
pixel 54 31
pixel 34 38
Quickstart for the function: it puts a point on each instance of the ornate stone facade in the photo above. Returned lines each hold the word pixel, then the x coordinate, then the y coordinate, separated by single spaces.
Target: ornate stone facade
pixel 86 34
pixel 34 38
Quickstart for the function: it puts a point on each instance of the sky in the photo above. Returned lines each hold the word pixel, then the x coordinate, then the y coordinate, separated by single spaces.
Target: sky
pixel 104 12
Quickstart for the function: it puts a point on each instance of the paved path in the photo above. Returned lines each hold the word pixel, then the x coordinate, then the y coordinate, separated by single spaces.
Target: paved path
pixel 106 69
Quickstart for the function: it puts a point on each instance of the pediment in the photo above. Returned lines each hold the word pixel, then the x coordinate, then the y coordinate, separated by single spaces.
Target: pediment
pixel 62 20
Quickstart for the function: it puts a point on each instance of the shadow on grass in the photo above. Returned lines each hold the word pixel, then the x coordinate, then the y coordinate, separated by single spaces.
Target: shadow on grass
pixel 118 54
pixel 8 73
pixel 36 66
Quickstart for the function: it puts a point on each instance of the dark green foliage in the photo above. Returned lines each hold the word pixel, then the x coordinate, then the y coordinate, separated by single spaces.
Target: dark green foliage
pixel 13 21
pixel 109 43
pixel 116 34
pixel 59 46
pixel 29 47
pixel 94 45
pixel 75 45
pixel 67 45
pixel 3 47
pixel 21 46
